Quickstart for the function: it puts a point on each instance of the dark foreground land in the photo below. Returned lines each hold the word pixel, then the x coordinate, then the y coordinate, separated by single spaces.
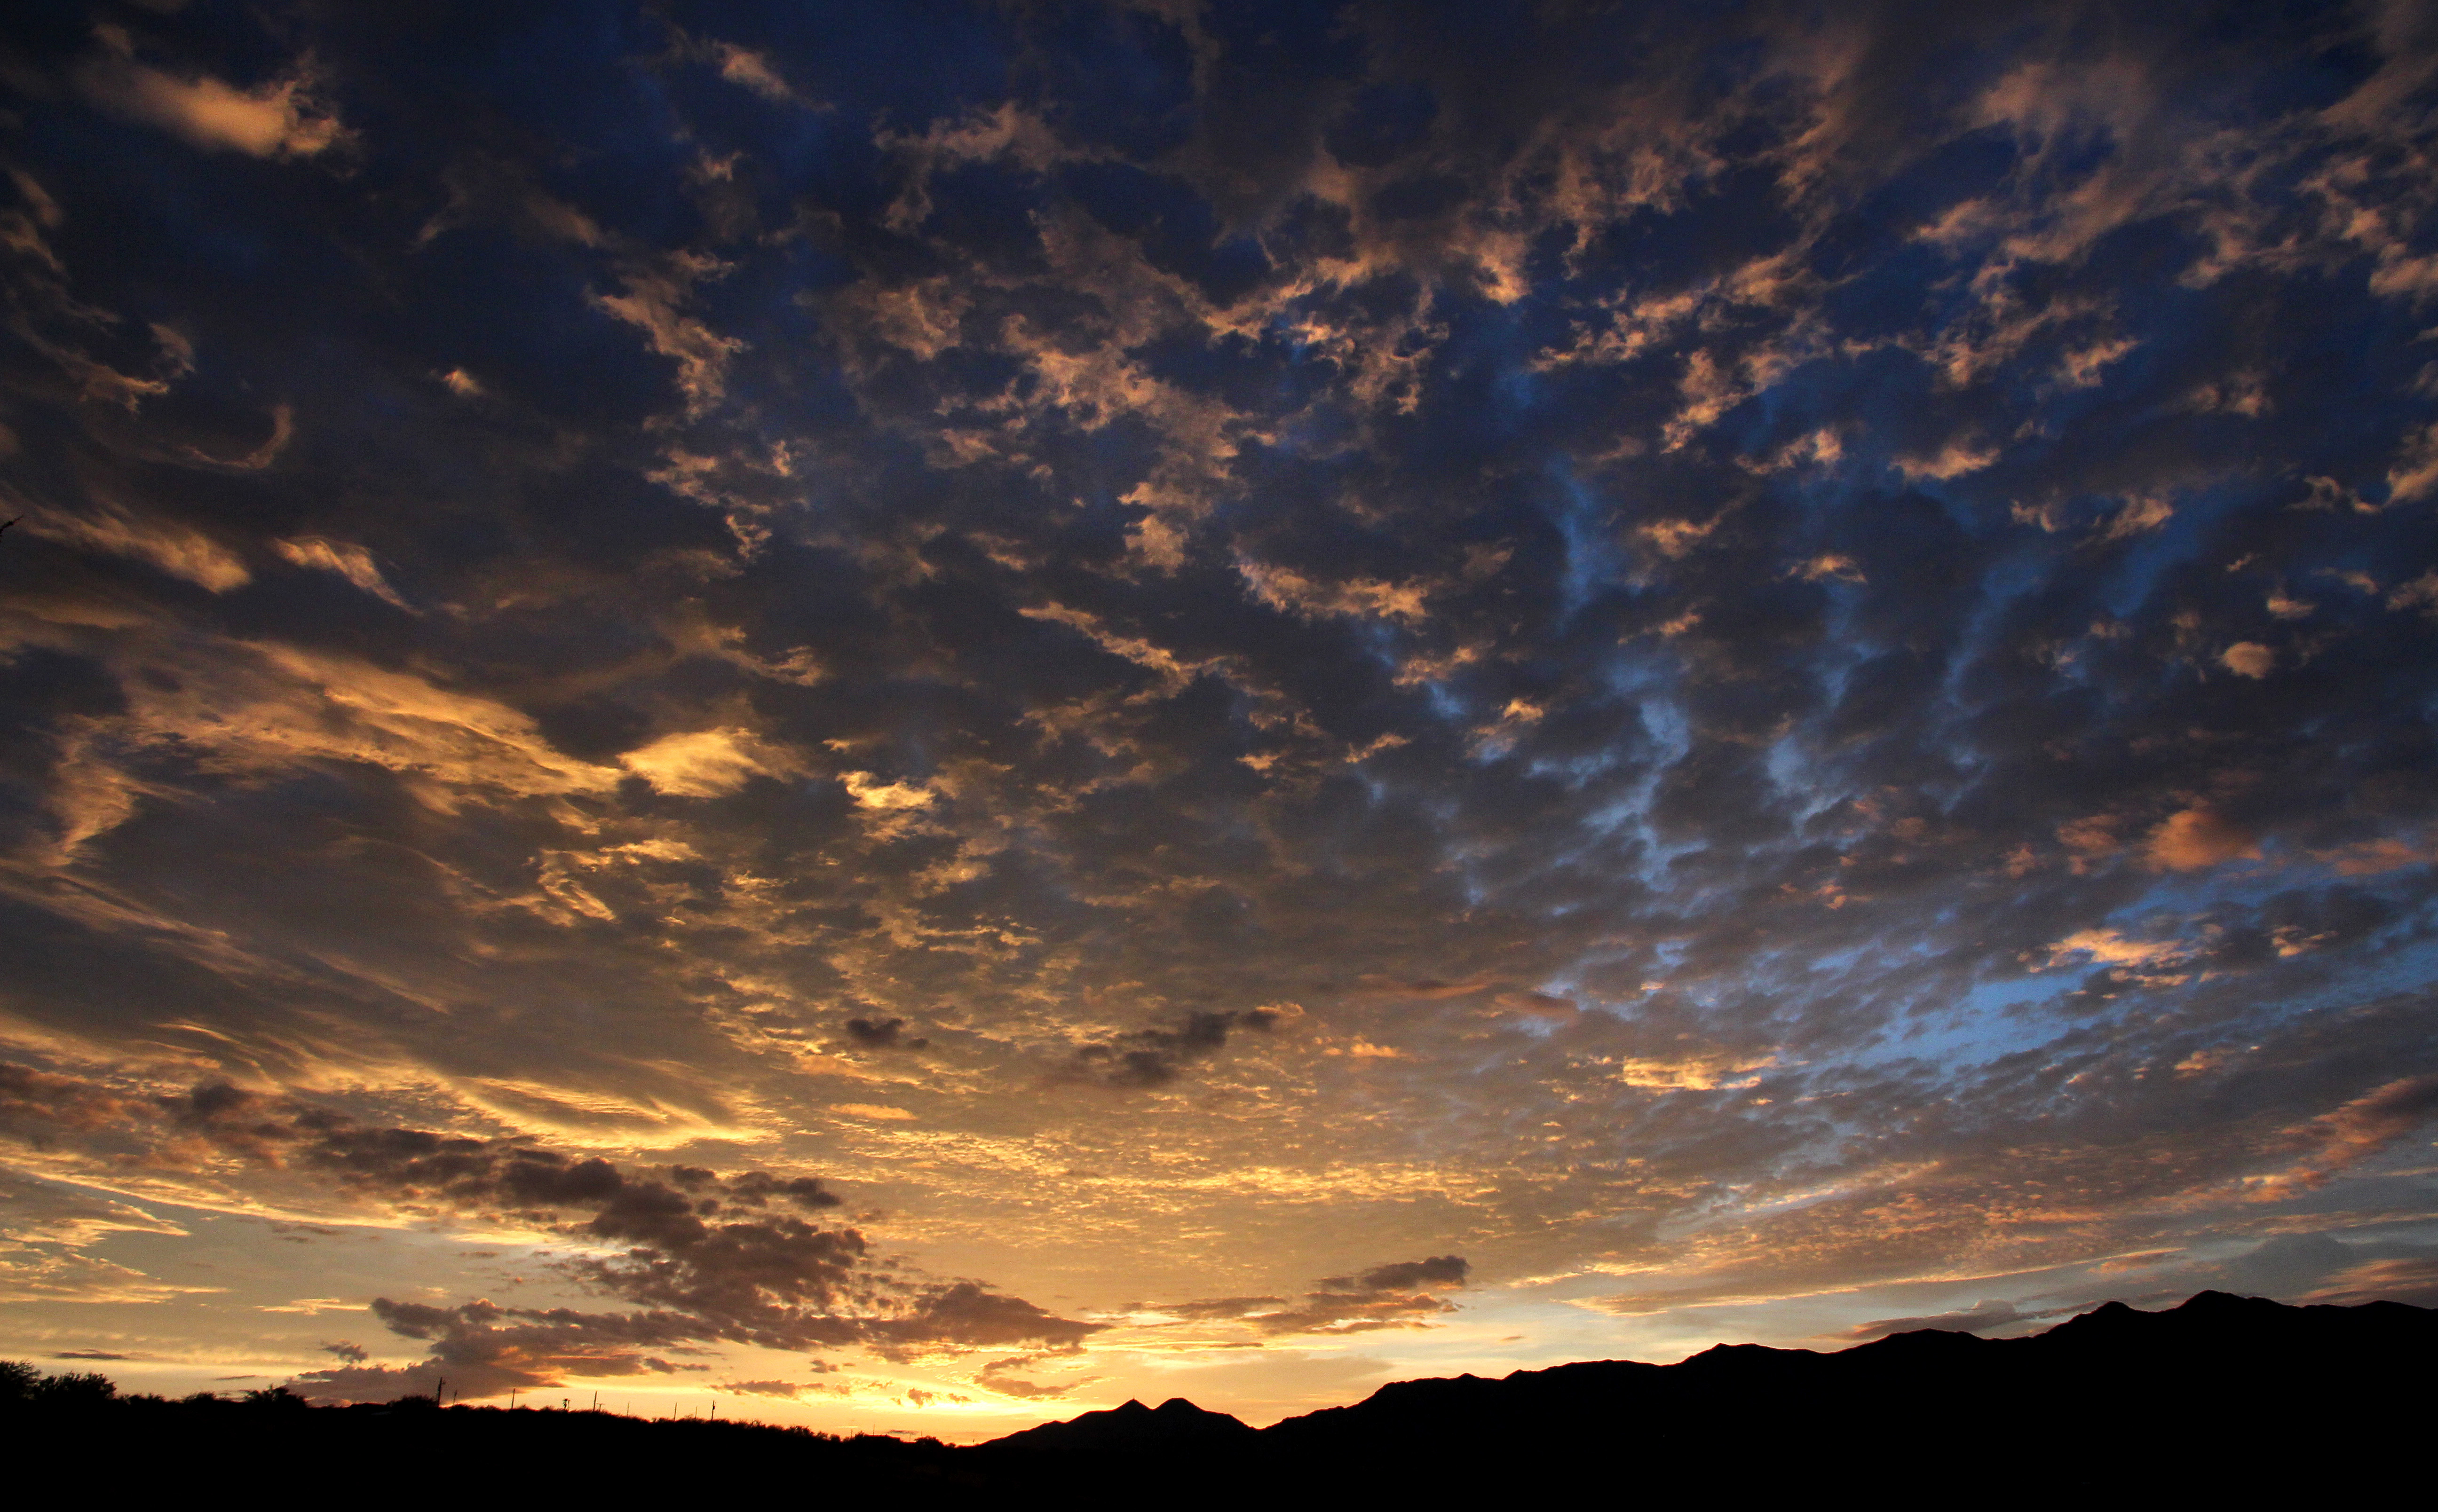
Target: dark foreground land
pixel 2228 1397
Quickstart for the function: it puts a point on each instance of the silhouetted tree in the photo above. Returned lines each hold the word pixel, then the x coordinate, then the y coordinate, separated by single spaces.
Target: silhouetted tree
pixel 278 1398
pixel 81 1388
pixel 18 1382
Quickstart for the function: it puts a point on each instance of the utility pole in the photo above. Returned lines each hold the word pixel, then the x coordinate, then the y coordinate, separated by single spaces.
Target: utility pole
pixel 512 1398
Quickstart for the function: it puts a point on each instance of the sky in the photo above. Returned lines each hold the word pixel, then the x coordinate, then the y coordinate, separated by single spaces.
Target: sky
pixel 919 716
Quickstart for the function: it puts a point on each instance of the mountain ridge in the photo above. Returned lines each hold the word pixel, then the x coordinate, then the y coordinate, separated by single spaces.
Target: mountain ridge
pixel 1130 1427
pixel 2123 1383
pixel 2222 1392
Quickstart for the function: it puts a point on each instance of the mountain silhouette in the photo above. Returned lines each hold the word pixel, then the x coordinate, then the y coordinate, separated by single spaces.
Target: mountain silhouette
pixel 1175 1426
pixel 2224 1395
pixel 2222 1390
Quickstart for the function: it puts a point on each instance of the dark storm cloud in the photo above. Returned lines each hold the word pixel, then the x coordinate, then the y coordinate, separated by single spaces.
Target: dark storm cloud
pixel 1801 642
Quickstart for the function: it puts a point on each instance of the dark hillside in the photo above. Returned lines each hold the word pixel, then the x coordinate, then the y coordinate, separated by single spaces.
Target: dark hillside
pixel 2225 1394
pixel 2222 1381
pixel 1175 1428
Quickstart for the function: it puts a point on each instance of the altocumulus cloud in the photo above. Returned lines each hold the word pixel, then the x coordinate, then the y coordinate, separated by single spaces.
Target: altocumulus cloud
pixel 1700 658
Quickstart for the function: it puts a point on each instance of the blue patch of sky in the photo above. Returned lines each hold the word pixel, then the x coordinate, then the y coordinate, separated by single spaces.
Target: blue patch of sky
pixel 1584 520
pixel 2181 540
pixel 1791 770
pixel 2004 1016
pixel 1938 1026
pixel 1440 695
pixel 2408 962
pixel 1987 1023
pixel 1671 733
pixel 2011 576
pixel 1573 771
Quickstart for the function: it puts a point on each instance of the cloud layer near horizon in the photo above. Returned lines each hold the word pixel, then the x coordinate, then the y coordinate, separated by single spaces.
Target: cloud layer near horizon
pixel 1680 661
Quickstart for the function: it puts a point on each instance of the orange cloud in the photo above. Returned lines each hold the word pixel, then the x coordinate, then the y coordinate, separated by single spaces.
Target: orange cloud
pixel 278 119
pixel 2199 838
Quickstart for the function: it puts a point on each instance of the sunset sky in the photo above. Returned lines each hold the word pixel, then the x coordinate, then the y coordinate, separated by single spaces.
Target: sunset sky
pixel 923 715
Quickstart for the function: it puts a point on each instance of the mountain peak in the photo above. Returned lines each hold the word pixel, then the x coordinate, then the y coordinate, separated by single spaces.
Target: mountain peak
pixel 1132 1428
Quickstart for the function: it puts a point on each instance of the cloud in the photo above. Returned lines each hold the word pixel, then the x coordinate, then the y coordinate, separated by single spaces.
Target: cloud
pixel 282 118
pixel 1954 460
pixel 1975 1319
pixel 783 1389
pixel 654 299
pixel 1403 1276
pixel 1154 1057
pixel 272 707
pixel 2411 1280
pixel 2372 858
pixel 2356 1132
pixel 1673 539
pixel 883 1034
pixel 2415 473
pixel 967 1316
pixel 486 1350
pixel 178 549
pixel 46 1226
pixel 1686 586
pixel 705 762
pixel 353 563
pixel 871 792
pixel 1393 1295
pixel 2195 838
pixel 1284 588
pixel 750 69
pixel 703 1258
pixel 46 1100
pixel 1829 566
pixel 2112 948
pixel 2137 517
pixel 2249 658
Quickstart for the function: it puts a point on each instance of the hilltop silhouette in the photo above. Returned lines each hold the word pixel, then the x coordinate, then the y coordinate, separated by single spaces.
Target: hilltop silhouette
pixel 2222 1392
pixel 1175 1427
